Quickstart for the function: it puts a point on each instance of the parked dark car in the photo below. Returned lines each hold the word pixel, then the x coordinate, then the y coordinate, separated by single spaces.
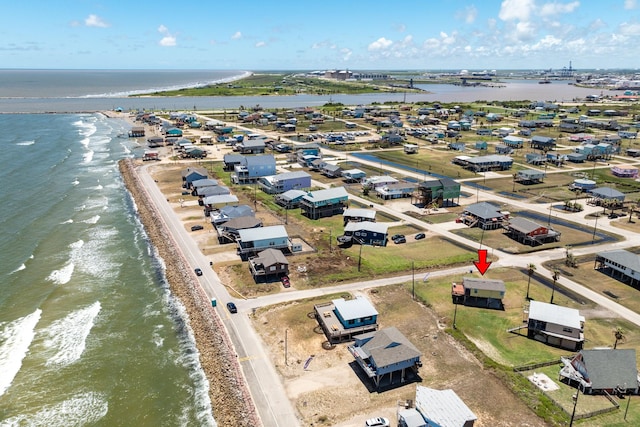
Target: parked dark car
pixel 400 240
pixel 198 272
pixel 285 281
pixel 232 307
pixel 419 236
pixel 196 227
pixel 397 236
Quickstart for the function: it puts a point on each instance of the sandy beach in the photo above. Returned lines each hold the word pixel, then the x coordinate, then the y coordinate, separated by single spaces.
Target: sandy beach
pixel 230 398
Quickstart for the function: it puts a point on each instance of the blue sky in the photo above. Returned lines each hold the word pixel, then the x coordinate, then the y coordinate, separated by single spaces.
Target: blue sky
pixel 328 34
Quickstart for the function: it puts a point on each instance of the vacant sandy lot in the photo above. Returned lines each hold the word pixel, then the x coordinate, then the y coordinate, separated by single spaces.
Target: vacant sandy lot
pixel 330 392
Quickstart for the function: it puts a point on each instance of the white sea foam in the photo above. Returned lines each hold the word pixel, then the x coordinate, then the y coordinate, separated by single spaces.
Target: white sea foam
pixel 69 221
pixel 63 275
pixel 76 182
pixel 26 143
pixel 68 336
pixel 85 142
pixel 88 156
pixel 15 339
pixel 80 410
pixel 92 220
pixel 22 267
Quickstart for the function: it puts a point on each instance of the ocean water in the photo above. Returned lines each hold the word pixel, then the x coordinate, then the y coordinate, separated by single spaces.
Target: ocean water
pixel 89 333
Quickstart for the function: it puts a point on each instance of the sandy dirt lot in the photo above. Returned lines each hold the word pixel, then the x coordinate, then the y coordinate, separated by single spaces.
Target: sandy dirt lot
pixel 330 391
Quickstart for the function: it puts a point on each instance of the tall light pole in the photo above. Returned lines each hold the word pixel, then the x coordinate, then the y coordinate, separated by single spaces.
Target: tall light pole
pixel 555 276
pixel 575 403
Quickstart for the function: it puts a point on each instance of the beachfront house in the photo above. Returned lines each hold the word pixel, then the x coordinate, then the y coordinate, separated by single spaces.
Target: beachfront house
pixel 341 319
pixel 251 241
pixel 253 167
pixel 269 264
pixel 282 182
pixel 385 354
pixel 324 203
pixel 190 175
pixel 555 325
pixel 227 213
pixel 229 231
pixel 479 292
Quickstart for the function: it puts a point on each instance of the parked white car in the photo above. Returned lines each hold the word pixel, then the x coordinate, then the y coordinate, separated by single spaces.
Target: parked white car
pixel 377 422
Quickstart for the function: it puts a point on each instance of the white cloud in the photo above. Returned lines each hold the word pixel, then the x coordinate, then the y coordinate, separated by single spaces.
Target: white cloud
pixel 630 29
pixel 524 31
pixel 512 10
pixel 469 14
pixel 547 42
pixel 236 36
pixel 95 21
pixel 380 44
pixel 261 44
pixel 168 40
pixel 346 53
pixel 553 9
pixel 630 4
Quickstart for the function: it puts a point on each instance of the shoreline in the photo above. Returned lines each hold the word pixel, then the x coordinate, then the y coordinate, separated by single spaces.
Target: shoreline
pixel 230 399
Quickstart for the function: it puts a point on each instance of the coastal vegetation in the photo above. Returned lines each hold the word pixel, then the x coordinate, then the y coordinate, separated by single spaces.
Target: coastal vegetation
pixel 287 84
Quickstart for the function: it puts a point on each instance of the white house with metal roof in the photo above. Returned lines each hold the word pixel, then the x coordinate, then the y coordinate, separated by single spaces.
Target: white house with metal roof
pixel 443 408
pixel 555 325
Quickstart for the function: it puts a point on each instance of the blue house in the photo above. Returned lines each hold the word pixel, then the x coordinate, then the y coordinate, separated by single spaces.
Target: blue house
pixel 353 175
pixel 513 141
pixel 190 175
pixel 307 153
pixel 341 319
pixel 282 182
pixel 365 233
pixel 290 199
pixel 324 203
pixel 542 143
pixel 384 353
pixel 253 167
pixel 254 240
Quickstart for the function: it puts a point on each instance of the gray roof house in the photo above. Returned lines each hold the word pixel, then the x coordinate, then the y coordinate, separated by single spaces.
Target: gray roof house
pixel 613 371
pixel 230 212
pixel 229 231
pixel 269 263
pixel 483 215
pixel 479 292
pixel 621 264
pixel 606 193
pixel 529 232
pixel 384 353
pixel 290 199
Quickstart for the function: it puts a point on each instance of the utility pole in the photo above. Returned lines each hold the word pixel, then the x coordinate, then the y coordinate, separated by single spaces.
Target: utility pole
pixel 286 361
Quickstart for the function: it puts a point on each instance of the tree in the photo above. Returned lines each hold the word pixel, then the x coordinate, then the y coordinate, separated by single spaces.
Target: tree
pixel 531 268
pixel 619 334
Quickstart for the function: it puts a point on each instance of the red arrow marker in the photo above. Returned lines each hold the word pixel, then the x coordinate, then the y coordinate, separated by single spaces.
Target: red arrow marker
pixel 482 265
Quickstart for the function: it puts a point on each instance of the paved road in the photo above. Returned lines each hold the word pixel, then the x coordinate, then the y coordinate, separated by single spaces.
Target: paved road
pixel 266 388
pixel 265 385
